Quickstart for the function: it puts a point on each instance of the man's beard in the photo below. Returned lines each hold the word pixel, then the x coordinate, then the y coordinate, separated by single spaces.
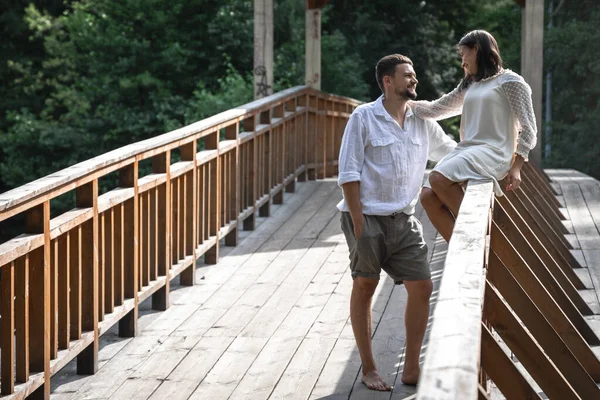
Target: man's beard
pixel 406 95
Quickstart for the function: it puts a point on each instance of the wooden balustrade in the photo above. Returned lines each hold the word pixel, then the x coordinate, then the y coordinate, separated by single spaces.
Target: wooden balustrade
pixel 509 289
pixel 508 284
pixel 66 280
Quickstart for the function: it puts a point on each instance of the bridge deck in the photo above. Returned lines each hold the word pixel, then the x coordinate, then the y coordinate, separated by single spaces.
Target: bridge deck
pixel 271 320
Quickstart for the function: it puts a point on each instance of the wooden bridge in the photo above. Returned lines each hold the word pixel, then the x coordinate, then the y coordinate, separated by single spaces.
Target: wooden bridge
pixel 212 265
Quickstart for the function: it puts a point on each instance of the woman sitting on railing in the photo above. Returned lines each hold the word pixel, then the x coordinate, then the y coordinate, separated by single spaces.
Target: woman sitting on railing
pixel 497 129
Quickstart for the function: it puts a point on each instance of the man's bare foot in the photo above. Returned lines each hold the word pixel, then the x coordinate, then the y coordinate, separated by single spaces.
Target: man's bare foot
pixel 411 377
pixel 373 381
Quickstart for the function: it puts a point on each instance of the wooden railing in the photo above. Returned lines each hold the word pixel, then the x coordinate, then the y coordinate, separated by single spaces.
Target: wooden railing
pixel 66 280
pixel 509 287
pixel 508 283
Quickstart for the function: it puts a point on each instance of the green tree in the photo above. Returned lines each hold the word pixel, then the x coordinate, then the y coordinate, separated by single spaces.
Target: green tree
pixel 571 48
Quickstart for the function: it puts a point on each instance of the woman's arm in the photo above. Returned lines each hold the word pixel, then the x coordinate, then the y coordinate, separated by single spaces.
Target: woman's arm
pixel 518 94
pixel 449 105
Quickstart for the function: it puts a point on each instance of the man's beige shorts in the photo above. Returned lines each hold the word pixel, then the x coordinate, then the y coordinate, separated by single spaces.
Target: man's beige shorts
pixel 392 243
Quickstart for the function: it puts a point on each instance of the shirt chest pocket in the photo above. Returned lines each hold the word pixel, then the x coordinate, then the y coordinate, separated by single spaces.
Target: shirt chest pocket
pixel 415 139
pixel 382 150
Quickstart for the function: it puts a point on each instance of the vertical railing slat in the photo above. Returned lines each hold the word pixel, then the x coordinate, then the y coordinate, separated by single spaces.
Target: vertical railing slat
pixel 188 153
pixel 7 329
pixel 109 261
pixel 214 193
pixel 161 164
pixel 38 221
pixel 119 257
pixel 22 317
pixel 64 292
pixel 102 254
pixel 128 177
pixel 87 197
pixel 53 299
pixel 75 284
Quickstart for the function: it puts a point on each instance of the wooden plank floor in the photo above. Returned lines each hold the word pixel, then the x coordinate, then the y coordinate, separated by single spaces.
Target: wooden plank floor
pixel 271 320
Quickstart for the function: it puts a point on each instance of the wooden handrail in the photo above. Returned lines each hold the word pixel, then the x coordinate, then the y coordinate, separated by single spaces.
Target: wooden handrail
pixel 451 368
pixel 11 199
pixel 66 280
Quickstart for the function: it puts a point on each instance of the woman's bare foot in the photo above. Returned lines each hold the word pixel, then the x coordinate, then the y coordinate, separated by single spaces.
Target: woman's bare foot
pixel 411 377
pixel 373 381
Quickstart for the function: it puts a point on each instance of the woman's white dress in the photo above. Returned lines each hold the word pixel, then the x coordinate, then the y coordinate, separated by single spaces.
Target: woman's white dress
pixel 497 121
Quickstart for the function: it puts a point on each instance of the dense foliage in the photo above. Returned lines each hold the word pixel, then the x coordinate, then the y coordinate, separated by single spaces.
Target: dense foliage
pixel 80 78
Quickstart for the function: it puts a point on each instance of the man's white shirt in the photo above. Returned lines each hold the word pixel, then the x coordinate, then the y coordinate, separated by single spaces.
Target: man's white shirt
pixel 389 161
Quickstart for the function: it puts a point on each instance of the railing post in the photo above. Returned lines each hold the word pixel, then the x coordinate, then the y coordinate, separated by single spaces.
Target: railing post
pixel 278 153
pixel 313 137
pixel 188 153
pixel 303 102
pixel 322 139
pixel 329 138
pixel 161 164
pixel 128 177
pixel 212 143
pixel 87 197
pixel 231 133
pixel 252 188
pixel 293 147
pixel 38 221
pixel 265 118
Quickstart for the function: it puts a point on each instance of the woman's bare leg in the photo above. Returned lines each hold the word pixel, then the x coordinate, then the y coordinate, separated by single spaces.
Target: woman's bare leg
pixel 439 215
pixel 448 192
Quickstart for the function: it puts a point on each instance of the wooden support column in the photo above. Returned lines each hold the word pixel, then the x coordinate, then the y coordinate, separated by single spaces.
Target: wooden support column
pixel 532 58
pixel 263 48
pixel 313 43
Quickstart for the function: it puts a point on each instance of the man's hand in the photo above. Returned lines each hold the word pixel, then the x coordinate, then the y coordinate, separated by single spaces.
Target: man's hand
pixel 352 196
pixel 359 224
pixel 513 179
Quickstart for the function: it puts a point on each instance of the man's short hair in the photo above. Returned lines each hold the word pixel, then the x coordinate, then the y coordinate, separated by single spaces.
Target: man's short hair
pixel 387 66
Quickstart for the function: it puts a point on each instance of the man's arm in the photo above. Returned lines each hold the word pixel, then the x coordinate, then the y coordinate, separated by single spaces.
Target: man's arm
pixel 440 144
pixel 352 196
pixel 351 161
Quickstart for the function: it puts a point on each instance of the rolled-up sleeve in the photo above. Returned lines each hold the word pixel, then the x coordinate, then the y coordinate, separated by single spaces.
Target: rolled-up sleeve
pixel 352 151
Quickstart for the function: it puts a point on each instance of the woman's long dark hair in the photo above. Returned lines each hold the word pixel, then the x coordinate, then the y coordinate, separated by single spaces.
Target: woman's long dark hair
pixel 489 62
